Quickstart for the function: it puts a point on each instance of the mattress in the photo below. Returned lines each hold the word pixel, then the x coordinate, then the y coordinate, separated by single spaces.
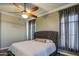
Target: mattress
pixel 32 48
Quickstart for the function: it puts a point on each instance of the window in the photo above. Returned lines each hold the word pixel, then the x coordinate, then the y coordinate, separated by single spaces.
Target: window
pixel 69 29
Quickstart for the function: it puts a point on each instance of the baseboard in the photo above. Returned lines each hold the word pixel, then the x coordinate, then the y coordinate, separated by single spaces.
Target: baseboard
pixel 4 48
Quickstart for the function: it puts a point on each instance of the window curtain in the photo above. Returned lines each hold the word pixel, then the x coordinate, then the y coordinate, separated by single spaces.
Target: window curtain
pixel 32 26
pixel 69 29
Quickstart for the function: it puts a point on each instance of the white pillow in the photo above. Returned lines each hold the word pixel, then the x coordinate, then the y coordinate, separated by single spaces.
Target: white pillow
pixel 40 40
pixel 49 41
pixel 43 40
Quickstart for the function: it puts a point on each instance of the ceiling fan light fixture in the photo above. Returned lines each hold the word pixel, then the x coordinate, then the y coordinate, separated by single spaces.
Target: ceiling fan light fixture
pixel 28 11
pixel 24 16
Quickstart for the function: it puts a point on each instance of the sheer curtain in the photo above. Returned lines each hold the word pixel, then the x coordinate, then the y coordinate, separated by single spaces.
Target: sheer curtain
pixel 32 26
pixel 69 29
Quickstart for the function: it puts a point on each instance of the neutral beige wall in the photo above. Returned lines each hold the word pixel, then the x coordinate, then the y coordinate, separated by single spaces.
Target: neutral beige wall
pixel 48 22
pixel 12 30
pixel 0 30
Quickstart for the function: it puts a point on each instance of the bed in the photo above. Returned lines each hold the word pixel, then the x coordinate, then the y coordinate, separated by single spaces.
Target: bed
pixel 36 48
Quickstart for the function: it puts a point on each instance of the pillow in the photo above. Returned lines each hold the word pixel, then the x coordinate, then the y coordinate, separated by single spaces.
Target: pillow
pixel 40 40
pixel 43 40
pixel 49 41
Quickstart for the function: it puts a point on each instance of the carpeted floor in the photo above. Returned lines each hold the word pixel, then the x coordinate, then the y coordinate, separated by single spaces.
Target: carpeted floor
pixel 3 53
pixel 9 53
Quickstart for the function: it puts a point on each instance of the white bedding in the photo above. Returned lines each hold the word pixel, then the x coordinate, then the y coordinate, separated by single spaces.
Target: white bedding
pixel 32 48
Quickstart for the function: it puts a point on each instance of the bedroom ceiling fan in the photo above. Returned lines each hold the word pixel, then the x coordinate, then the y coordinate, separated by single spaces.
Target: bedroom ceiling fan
pixel 25 13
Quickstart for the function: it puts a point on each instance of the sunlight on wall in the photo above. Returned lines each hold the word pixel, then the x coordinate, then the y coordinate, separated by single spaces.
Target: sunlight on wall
pixel 48 22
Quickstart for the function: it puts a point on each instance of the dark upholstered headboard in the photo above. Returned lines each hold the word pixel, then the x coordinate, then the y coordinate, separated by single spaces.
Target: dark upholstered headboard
pixel 52 35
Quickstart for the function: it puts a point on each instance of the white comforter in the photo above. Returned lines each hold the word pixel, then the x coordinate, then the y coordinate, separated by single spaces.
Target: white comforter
pixel 32 48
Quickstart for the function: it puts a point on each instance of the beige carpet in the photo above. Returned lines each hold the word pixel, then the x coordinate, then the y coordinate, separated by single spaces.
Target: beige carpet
pixel 3 53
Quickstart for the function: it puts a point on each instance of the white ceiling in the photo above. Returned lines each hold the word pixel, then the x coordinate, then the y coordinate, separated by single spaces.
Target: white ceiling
pixel 44 8
pixel 50 6
pixel 47 7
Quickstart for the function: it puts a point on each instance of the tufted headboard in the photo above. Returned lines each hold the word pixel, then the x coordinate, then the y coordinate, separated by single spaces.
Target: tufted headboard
pixel 52 35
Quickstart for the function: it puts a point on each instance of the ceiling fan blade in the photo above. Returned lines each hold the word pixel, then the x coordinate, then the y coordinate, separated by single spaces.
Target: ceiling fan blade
pixel 33 9
pixel 10 12
pixel 15 12
pixel 29 14
pixel 34 16
pixel 18 6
